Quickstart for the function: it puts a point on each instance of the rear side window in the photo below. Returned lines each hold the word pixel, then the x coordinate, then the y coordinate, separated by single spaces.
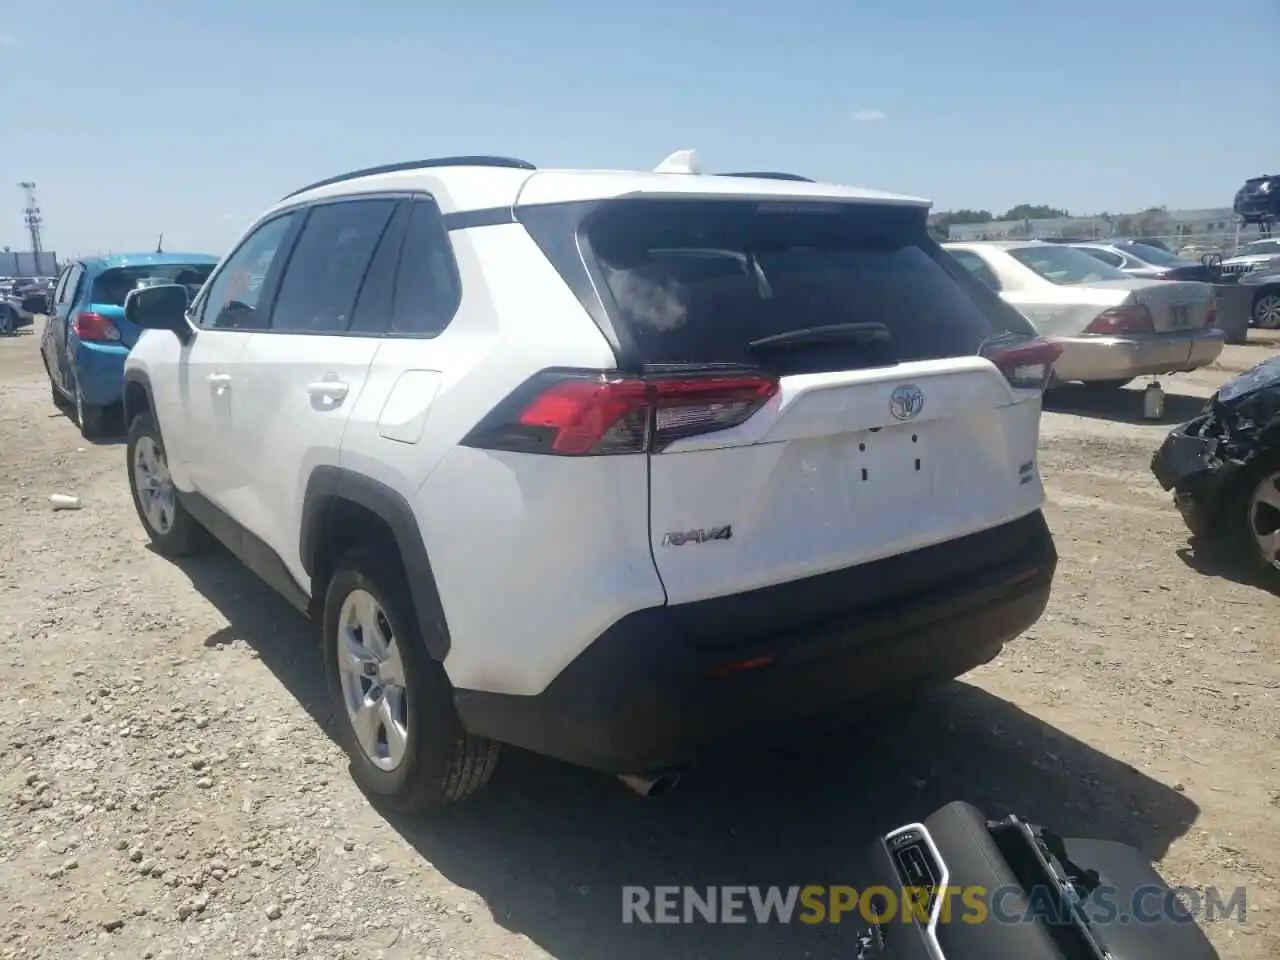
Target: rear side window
pixel 697 281
pixel 328 265
pixel 976 266
pixel 1065 265
pixel 427 289
pixel 112 286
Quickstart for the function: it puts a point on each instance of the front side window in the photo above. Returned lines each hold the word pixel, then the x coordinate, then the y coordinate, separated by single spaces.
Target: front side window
pixel 232 299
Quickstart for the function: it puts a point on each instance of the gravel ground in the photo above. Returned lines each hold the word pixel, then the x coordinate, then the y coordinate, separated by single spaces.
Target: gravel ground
pixel 170 788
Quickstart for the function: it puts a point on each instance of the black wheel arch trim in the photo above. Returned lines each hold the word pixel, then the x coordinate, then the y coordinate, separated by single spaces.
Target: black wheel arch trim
pixel 138 378
pixel 326 486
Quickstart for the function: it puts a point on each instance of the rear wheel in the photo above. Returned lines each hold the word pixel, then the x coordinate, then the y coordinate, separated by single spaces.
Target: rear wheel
pixel 1266 310
pixel 172 530
pixel 396 717
pixel 91 418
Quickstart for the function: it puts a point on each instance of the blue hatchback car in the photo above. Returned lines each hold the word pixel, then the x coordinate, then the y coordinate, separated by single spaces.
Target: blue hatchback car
pixel 87 337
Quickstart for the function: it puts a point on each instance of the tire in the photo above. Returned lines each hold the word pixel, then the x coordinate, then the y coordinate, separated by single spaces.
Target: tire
pixel 1238 513
pixel 431 761
pixel 8 321
pixel 1107 384
pixel 1266 309
pixel 183 535
pixel 56 395
pixel 92 419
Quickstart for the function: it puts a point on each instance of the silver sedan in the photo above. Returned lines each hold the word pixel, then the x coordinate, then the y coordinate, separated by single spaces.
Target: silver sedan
pixel 1111 327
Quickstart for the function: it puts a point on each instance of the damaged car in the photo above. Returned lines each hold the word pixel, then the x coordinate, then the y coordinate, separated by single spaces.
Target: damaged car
pixel 1224 469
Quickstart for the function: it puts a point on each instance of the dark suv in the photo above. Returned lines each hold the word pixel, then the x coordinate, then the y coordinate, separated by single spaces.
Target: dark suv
pixel 1258 201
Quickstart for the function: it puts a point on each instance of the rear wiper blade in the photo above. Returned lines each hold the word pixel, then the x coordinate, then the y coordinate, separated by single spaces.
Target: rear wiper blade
pixel 861 333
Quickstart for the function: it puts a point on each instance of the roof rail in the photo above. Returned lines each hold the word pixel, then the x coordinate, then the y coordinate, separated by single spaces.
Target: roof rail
pixel 771 176
pixel 509 163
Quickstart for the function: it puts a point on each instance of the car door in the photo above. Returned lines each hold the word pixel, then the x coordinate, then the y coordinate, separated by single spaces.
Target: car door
pixel 48 349
pixel 1035 301
pixel 60 320
pixel 207 389
pixel 305 371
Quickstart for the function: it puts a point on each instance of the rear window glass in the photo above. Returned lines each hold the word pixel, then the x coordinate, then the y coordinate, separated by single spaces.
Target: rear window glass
pixel 1065 265
pixel 1149 254
pixel 697 281
pixel 112 286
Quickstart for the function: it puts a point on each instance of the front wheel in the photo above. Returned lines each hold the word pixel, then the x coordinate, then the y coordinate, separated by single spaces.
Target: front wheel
pixel 1253 518
pixel 173 531
pixel 1266 310
pixel 396 717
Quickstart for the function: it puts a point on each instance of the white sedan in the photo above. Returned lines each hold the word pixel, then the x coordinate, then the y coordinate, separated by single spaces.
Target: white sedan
pixel 1111 327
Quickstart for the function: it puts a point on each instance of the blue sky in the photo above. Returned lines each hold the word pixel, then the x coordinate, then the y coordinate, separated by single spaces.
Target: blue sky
pixel 140 117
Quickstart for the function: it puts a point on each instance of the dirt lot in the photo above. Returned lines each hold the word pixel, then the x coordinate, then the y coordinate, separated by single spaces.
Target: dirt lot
pixel 169 788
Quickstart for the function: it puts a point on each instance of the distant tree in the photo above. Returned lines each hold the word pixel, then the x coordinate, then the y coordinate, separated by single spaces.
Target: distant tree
pixel 1032 211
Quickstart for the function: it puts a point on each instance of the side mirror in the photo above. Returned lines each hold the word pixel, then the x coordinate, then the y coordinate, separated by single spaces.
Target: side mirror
pixel 35 303
pixel 160 308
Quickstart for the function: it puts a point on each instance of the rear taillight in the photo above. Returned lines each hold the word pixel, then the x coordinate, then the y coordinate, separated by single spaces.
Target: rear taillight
pixel 1026 365
pixel 1211 318
pixel 94 327
pixel 1122 320
pixel 576 415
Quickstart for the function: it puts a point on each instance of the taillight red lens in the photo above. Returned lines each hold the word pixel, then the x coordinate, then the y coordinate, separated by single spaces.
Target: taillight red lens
pixel 1026 365
pixel 1211 319
pixel 95 328
pixel 1122 320
pixel 592 415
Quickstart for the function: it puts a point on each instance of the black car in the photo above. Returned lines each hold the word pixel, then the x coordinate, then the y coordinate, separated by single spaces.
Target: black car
pixel 1258 201
pixel 1224 469
pixel 1264 281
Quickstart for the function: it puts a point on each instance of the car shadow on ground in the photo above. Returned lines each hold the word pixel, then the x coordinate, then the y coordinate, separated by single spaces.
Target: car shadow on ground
pixel 1120 405
pixel 550 847
pixel 1211 559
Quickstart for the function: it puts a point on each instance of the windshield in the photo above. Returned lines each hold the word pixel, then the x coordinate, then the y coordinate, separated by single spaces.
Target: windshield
pixel 1065 265
pixel 1149 254
pixel 1258 247
pixel 113 286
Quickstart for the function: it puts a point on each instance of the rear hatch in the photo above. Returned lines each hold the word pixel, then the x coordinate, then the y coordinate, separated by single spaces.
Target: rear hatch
pixel 827 387
pixel 111 287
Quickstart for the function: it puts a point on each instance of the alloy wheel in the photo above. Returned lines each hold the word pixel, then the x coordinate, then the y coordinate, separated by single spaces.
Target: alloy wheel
pixel 152 482
pixel 1266 312
pixel 1264 518
pixel 374 687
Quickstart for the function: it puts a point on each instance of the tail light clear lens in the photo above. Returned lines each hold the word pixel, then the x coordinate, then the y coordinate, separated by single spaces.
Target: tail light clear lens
pixel 1118 321
pixel 578 414
pixel 1028 364
pixel 95 328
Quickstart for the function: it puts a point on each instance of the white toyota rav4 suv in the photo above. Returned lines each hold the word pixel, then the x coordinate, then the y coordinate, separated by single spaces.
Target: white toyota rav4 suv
pixel 601 464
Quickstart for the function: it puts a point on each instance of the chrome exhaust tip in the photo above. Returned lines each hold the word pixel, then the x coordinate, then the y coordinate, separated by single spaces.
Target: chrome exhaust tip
pixel 651 786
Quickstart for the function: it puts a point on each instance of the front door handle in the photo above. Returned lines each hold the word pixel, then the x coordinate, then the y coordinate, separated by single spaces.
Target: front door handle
pixel 333 390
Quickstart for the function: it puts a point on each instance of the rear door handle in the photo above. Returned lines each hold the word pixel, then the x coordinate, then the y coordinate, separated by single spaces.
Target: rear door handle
pixel 328 389
pixel 221 382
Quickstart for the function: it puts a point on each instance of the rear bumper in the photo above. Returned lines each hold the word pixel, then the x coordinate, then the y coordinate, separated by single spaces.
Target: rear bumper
pixel 1123 358
pixel 653 688
pixel 100 372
